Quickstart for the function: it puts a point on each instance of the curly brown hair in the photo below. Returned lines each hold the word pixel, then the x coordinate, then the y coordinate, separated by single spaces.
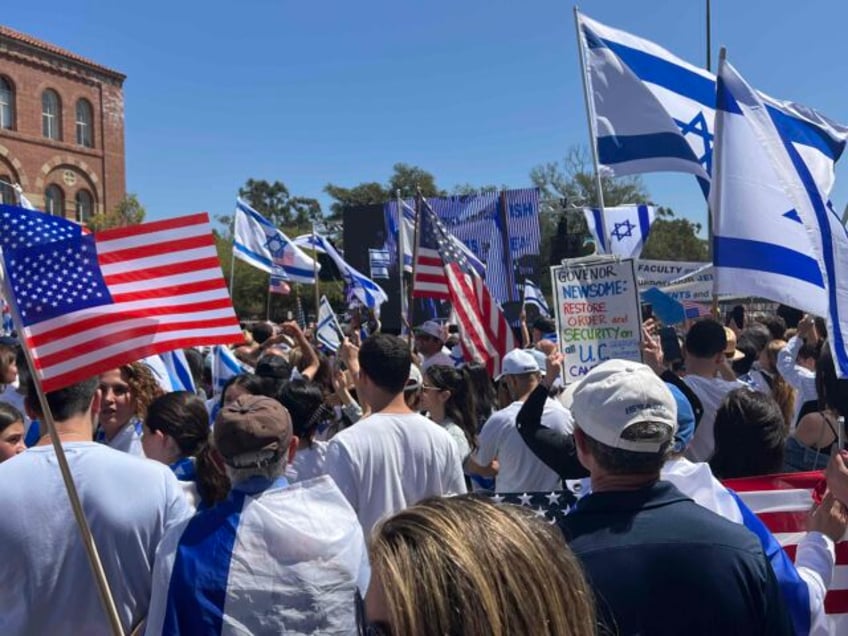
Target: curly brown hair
pixel 143 386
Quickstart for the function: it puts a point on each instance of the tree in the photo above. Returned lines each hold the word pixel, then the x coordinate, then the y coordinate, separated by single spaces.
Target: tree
pixel 274 202
pixel 674 239
pixel 362 194
pixel 410 179
pixel 128 211
pixel 467 190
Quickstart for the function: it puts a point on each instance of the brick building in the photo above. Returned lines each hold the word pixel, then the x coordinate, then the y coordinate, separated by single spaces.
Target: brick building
pixel 61 128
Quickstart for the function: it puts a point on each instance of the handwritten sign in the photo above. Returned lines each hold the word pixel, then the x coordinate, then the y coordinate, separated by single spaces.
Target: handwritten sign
pixel 597 307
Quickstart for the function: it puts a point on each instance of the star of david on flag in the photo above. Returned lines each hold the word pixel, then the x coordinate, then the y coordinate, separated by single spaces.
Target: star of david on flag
pixel 628 225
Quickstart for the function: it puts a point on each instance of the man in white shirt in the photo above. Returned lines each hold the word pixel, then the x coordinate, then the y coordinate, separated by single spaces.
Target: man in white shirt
pixel 708 357
pixel 519 470
pixel 800 370
pixel 430 341
pixel 129 503
pixel 395 457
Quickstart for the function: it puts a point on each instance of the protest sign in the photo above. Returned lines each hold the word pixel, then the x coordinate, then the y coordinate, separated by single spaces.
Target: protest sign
pixel 652 273
pixel 695 286
pixel 597 308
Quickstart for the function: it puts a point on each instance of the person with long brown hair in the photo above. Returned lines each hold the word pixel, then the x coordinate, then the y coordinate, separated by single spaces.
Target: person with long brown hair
pixel 446 396
pixel 463 565
pixel 782 392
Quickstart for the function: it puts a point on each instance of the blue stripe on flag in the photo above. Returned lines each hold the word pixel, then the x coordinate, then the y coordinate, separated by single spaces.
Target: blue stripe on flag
pixel 766 257
pixel 254 214
pixel 795 130
pixel 253 255
pixel 644 222
pixel 622 148
pixel 599 229
pixel 197 592
pixel 183 373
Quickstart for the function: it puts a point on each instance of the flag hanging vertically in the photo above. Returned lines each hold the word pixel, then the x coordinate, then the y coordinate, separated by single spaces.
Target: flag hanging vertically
pixel 328 331
pixel 257 242
pixel 88 304
pixel 369 293
pixel 628 227
pixel 759 173
pixel 534 296
pixel 443 271
pixel 225 366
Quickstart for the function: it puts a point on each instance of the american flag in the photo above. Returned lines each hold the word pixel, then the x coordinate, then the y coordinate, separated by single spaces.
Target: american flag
pixel 278 285
pixel 783 502
pixel 691 309
pixel 89 303
pixel 443 271
pixel 550 506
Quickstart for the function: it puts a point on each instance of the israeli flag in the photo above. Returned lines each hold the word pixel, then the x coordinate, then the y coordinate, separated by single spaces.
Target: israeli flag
pixel 628 227
pixel 369 293
pixel 225 366
pixel 761 170
pixel 534 296
pixel 172 371
pixel 257 242
pixel 329 333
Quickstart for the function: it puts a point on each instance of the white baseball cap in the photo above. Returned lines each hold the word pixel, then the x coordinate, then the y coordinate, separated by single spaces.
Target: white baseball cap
pixel 518 361
pixel 617 394
pixel 431 328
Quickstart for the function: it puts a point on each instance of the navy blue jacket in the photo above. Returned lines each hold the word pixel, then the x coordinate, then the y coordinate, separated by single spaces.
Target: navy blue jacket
pixel 661 564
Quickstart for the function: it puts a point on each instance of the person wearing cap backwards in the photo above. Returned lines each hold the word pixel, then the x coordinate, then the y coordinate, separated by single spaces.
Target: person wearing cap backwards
pixel 658 562
pixel 519 470
pixel 394 457
pixel 272 558
pixel 708 354
pixel 429 342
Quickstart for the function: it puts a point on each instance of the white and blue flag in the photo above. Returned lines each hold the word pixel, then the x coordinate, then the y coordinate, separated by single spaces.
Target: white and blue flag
pixel 767 186
pixel 628 227
pixel 172 371
pixel 257 242
pixel 534 296
pixel 369 293
pixel 25 203
pixel 328 332
pixel 225 366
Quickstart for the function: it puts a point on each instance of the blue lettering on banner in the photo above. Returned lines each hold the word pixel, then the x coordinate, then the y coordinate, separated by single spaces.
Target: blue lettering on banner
pixel 520 210
pixel 595 290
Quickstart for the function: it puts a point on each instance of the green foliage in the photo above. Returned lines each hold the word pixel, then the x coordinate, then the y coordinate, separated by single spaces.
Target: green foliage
pixel 409 179
pixel 674 239
pixel 129 211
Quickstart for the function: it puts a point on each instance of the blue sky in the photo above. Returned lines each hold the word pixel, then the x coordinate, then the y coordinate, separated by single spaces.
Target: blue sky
pixel 475 91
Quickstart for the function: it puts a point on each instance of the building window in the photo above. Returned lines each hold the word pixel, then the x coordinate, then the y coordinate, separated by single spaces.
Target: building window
pixel 85 129
pixel 85 206
pixel 7 192
pixel 54 200
pixel 51 115
pixel 7 104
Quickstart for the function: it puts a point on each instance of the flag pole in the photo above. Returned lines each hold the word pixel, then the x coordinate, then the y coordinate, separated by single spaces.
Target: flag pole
pixel 268 300
pixel 590 119
pixel 404 299
pixel 73 496
pixel 715 186
pixel 233 257
pixel 315 272
pixel 710 253
pixel 415 241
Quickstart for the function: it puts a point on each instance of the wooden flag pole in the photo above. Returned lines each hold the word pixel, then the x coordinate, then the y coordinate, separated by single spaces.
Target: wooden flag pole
pixel 73 496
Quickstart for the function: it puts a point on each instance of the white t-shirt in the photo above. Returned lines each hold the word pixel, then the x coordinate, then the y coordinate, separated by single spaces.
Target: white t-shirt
pixel 441 358
pixel 387 462
pixel 711 392
pixel 308 463
pixel 129 504
pixel 520 469
pixel 458 437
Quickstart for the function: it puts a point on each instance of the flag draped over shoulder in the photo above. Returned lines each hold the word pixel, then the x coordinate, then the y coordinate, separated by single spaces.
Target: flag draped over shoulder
pixel 257 242
pixel 534 296
pixel 628 227
pixel 369 293
pixel 782 502
pixel 760 170
pixel 443 271
pixel 89 303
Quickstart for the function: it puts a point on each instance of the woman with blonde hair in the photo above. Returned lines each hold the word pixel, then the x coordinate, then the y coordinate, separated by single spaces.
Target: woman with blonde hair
pixel 781 390
pixel 463 565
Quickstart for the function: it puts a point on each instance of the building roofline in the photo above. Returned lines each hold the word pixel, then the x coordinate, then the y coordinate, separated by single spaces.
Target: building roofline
pixel 23 38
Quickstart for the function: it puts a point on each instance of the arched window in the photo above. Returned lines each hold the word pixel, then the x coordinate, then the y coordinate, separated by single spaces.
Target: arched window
pixel 51 115
pixel 85 206
pixel 85 127
pixel 54 200
pixel 7 104
pixel 7 192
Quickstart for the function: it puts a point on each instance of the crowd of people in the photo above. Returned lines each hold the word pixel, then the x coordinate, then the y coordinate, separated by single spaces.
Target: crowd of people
pixel 365 490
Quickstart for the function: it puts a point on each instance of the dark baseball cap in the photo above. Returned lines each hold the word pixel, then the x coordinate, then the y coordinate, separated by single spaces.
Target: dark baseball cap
pixel 249 425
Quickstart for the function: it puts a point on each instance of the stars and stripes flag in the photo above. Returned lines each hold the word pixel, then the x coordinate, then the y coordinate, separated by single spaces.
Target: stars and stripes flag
pixel 90 303
pixel 550 506
pixel 442 271
pixel 783 502
pixel 278 285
